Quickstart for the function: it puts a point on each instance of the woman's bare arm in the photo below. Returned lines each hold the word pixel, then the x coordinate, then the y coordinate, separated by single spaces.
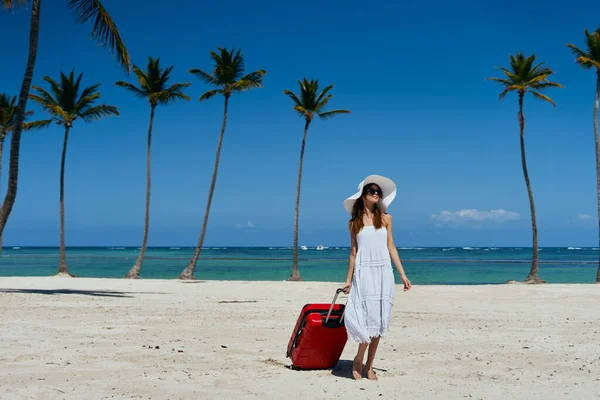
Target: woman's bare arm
pixel 394 252
pixel 351 260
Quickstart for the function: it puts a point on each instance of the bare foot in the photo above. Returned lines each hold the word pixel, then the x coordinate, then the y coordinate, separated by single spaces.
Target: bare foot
pixel 357 369
pixel 371 375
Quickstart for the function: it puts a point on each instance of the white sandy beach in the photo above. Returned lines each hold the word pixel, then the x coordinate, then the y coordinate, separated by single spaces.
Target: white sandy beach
pixel 165 339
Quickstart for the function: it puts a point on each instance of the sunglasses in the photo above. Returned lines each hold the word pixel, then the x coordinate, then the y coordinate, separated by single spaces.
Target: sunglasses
pixel 372 192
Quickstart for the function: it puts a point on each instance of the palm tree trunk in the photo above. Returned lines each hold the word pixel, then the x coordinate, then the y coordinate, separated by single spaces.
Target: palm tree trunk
pixel 188 272
pixel 13 170
pixel 134 272
pixel 533 273
pixel 597 140
pixel 1 153
pixel 295 271
pixel 62 264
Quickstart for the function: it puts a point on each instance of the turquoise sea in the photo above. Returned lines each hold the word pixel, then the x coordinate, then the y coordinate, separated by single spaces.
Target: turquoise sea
pixel 423 265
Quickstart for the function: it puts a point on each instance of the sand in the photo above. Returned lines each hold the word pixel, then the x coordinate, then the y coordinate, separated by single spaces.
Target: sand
pixel 75 338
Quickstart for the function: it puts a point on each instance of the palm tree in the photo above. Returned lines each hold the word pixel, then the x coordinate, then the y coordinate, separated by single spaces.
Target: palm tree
pixel 522 77
pixel 308 104
pixel 8 106
pixel 228 76
pixel 106 34
pixel 66 103
pixel 588 59
pixel 152 87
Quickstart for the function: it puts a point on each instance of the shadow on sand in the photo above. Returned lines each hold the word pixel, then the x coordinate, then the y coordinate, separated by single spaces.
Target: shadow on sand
pixel 343 369
pixel 97 293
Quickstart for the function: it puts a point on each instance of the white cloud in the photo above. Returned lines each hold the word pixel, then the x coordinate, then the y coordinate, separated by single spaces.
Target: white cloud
pixel 472 217
pixel 248 225
pixel 585 217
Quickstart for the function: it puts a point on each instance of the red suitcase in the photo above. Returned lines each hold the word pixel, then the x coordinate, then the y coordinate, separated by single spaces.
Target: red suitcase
pixel 319 336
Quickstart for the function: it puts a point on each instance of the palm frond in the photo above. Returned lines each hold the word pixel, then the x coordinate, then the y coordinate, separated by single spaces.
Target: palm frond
pixel 164 77
pixel 66 102
pixel 55 87
pixel 37 124
pixel 323 94
pixel 90 91
pixel 83 103
pixel 503 94
pixel 43 98
pixel 141 77
pixel 172 93
pixel 132 88
pixel 322 104
pixel 104 31
pixel 590 57
pixel 577 52
pixel 152 84
pixel 210 93
pixel 51 107
pixel 178 96
pixel 7 109
pixel 509 74
pixel 587 63
pixel 333 113
pixel 204 76
pixel 98 112
pixel 178 87
pixel 593 44
pixel 534 79
pixel 12 4
pixel 293 96
pixel 540 96
pixel 251 81
pixel 303 112
pixel 229 66
pixel 540 73
pixel 311 101
pixel 545 85
pixel 524 76
pixel 500 80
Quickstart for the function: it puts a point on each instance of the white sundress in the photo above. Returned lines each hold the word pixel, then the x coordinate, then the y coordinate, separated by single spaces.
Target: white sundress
pixel 369 307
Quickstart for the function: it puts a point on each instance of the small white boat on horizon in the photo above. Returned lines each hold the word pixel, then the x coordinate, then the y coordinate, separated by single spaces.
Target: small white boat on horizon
pixel 303 248
pixel 321 247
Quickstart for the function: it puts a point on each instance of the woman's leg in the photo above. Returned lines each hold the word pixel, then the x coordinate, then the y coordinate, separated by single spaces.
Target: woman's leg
pixel 371 357
pixel 358 361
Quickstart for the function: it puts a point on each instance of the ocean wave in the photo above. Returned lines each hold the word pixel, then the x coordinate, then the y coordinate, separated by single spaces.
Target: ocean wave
pixel 411 248
pixel 116 248
pixel 16 248
pixel 470 248
pixel 449 249
pixel 174 248
pixel 573 248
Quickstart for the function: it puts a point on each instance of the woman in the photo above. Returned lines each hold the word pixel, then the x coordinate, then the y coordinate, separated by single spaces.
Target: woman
pixel 370 280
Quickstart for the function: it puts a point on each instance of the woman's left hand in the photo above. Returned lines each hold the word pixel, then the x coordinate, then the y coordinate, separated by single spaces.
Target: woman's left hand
pixel 406 283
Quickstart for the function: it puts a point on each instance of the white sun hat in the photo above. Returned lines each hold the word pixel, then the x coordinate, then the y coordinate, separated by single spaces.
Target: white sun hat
pixel 388 187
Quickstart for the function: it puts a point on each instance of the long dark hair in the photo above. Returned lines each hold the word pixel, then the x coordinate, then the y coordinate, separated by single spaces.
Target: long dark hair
pixel 358 210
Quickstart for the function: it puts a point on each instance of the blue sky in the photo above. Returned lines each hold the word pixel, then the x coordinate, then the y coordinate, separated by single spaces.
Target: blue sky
pixel 423 114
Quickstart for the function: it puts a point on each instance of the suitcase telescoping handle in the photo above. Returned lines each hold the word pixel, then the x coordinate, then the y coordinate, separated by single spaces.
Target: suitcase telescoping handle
pixel 337 292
